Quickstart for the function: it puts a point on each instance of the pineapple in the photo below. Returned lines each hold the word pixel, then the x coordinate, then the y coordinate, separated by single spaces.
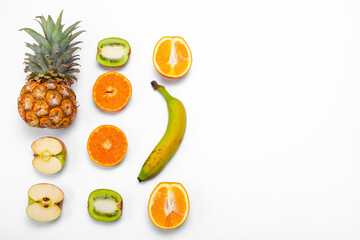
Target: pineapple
pixel 46 100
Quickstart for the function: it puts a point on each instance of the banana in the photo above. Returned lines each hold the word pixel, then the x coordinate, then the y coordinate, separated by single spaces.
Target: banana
pixel 171 140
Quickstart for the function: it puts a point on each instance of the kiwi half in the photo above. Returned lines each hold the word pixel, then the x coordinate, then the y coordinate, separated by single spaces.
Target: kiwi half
pixel 113 52
pixel 105 205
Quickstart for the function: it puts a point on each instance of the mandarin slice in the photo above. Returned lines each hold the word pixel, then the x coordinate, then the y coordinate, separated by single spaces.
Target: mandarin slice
pixel 172 57
pixel 112 91
pixel 168 205
pixel 107 145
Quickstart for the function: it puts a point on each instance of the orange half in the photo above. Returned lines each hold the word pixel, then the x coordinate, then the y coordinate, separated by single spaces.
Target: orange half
pixel 168 205
pixel 107 145
pixel 172 57
pixel 111 91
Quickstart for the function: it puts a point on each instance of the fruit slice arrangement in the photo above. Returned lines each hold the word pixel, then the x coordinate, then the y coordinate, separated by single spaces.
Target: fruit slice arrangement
pixel 172 57
pixel 168 205
pixel 107 145
pixel 112 91
pixel 47 100
pixel 45 202
pixel 113 52
pixel 105 205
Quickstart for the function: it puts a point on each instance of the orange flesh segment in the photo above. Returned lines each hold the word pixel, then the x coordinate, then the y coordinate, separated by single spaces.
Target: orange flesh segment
pixel 168 205
pixel 164 52
pixel 107 145
pixel 111 91
pixel 163 57
pixel 182 56
pixel 172 57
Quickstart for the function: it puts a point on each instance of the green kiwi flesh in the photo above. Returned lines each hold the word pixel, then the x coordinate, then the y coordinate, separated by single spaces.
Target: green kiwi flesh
pixel 105 205
pixel 113 52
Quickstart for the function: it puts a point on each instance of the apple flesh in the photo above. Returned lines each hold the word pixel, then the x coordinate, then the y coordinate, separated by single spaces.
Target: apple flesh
pixel 49 155
pixel 45 202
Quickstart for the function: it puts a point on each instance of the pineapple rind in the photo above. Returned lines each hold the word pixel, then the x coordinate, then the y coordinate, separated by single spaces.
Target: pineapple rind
pixel 46 104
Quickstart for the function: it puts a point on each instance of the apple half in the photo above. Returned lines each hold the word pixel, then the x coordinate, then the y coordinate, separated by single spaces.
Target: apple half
pixel 49 155
pixel 45 202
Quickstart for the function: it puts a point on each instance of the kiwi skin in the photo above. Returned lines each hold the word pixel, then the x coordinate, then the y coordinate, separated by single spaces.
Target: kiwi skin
pixel 105 194
pixel 113 63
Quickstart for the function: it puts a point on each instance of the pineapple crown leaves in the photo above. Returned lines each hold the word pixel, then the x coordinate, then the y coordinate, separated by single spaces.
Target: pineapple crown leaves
pixel 53 51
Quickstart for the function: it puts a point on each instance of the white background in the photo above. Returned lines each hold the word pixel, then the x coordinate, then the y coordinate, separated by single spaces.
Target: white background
pixel 272 146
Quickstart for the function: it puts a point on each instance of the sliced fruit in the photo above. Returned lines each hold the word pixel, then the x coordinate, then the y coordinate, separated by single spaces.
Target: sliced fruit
pixel 45 202
pixel 105 205
pixel 172 57
pixel 168 205
pixel 107 145
pixel 49 155
pixel 112 91
pixel 113 52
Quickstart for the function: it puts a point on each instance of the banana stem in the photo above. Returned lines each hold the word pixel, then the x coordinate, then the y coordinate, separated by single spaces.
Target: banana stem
pixel 155 85
pixel 161 89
